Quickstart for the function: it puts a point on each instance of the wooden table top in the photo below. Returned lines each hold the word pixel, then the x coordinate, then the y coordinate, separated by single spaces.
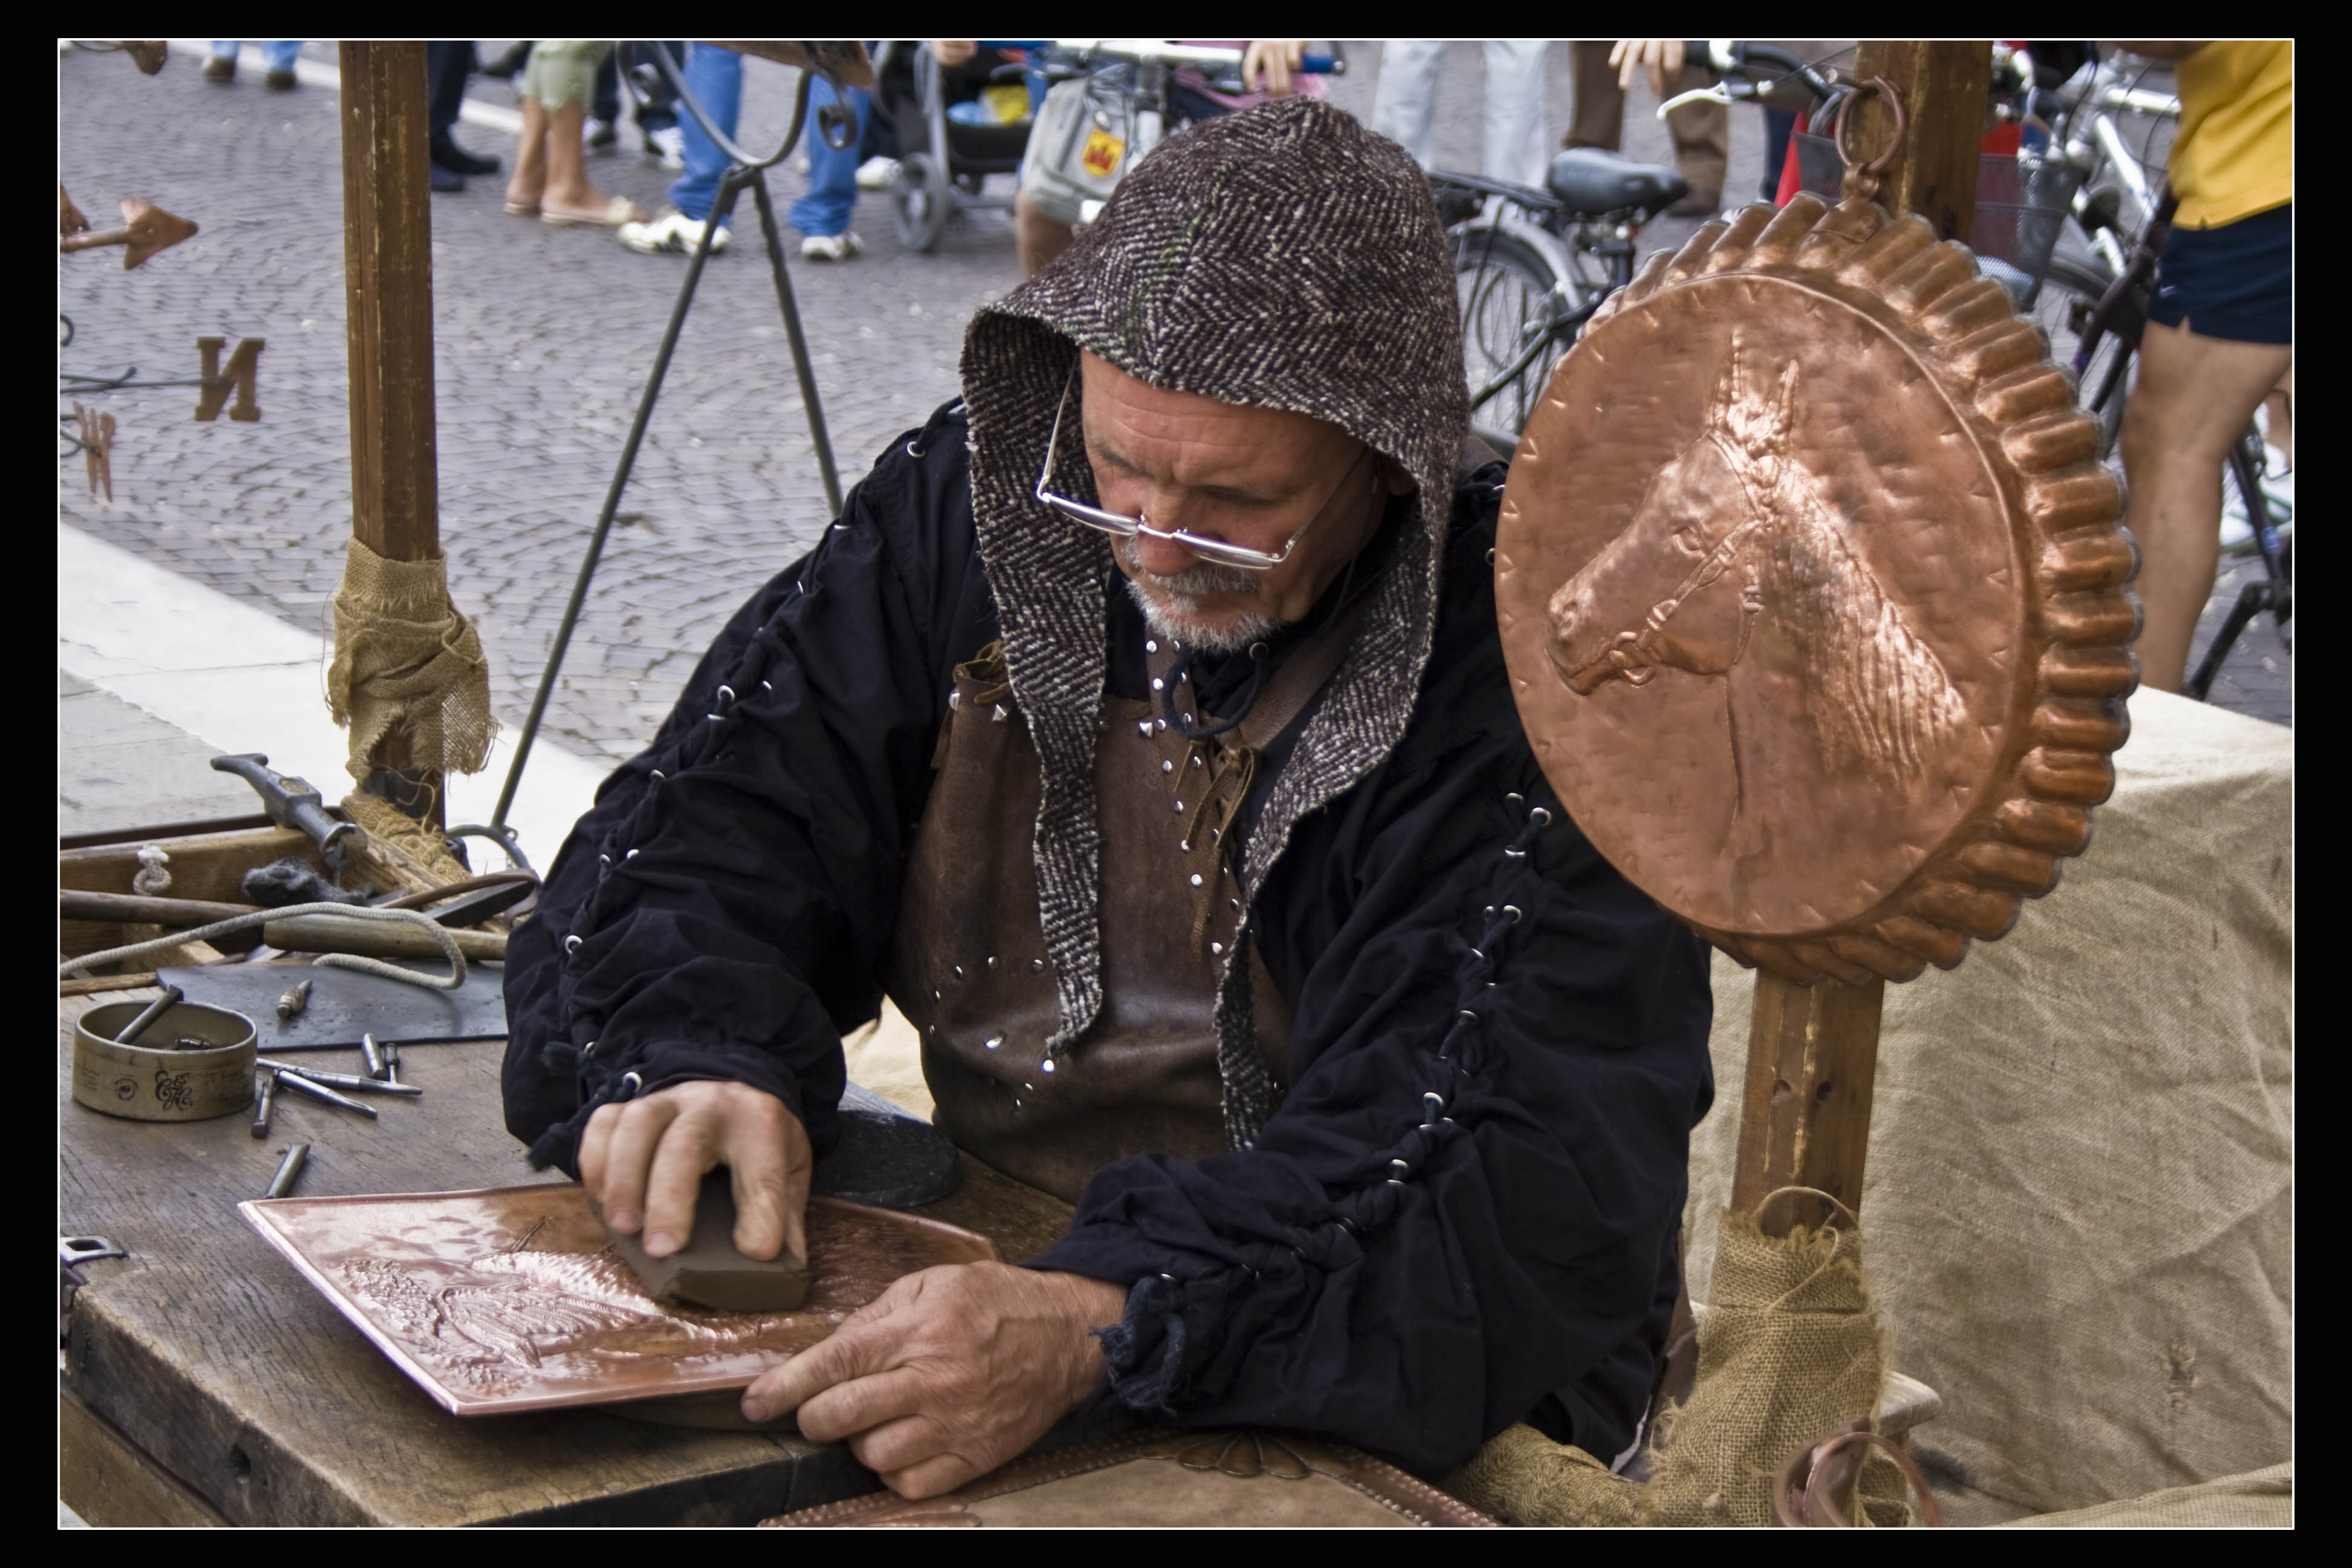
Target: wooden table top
pixel 208 1352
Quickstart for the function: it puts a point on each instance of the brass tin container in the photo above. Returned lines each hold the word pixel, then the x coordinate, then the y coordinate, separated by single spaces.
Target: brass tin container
pixel 154 1082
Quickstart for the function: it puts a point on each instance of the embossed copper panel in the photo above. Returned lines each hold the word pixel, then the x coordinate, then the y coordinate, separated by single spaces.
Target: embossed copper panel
pixel 513 1300
pixel 1812 593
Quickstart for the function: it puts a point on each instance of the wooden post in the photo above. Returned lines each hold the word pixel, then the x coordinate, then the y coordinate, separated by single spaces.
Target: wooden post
pixel 1945 87
pixel 1813 1050
pixel 388 280
pixel 1804 1119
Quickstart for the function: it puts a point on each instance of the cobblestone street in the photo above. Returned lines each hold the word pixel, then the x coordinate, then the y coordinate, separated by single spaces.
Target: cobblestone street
pixel 543 338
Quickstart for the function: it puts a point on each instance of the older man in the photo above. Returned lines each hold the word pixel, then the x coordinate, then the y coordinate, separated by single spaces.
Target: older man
pixel 1142 728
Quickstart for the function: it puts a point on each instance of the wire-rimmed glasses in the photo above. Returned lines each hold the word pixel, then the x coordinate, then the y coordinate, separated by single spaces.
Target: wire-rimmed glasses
pixel 1223 552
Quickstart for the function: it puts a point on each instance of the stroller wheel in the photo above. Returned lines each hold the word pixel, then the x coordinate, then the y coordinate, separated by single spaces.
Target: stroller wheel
pixel 920 202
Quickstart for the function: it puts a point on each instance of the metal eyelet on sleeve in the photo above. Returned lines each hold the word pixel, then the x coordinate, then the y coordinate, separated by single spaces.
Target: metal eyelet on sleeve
pixel 571 942
pixel 726 695
pixel 631 1084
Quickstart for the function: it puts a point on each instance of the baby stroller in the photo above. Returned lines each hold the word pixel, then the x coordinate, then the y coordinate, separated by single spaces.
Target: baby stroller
pixel 944 161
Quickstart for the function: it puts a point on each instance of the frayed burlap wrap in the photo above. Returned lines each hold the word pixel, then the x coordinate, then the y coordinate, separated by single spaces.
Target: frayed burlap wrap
pixel 1788 1352
pixel 406 660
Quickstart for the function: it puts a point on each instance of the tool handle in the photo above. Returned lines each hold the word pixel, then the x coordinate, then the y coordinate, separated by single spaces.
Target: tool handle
pixel 153 1010
pixel 76 904
pixel 373 939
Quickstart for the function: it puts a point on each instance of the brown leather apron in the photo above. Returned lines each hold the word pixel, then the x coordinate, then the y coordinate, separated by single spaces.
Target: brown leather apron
pixel 970 968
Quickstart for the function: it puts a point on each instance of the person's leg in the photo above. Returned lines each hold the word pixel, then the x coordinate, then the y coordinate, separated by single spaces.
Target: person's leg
pixel 529 180
pixel 606 103
pixel 1406 101
pixel 1702 134
pixel 1038 238
pixel 1517 147
pixel 279 54
pixel 824 211
pixel 715 78
pixel 568 189
pixel 2189 406
pixel 1597 117
pixel 2281 420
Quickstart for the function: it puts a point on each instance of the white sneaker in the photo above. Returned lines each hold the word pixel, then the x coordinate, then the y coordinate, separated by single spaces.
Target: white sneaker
pixel 878 174
pixel 672 232
pixel 666 146
pixel 831 247
pixel 598 135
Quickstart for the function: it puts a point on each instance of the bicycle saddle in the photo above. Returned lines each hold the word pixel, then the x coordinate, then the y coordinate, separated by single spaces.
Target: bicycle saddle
pixel 1593 182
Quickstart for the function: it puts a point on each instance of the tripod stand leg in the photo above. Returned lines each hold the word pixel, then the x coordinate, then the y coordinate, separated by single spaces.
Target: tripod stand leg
pixel 801 365
pixel 730 186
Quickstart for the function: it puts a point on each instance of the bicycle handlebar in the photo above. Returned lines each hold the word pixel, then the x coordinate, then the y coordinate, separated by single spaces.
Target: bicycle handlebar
pixel 1156 51
pixel 1739 56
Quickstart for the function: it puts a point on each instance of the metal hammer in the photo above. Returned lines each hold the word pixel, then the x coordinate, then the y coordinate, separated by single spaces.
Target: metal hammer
pixel 291 803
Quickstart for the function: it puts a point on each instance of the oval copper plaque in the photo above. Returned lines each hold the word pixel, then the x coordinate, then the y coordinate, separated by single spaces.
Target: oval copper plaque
pixel 1812 592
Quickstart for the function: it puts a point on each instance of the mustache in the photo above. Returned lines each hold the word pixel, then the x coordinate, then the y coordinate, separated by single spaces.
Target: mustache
pixel 1195 581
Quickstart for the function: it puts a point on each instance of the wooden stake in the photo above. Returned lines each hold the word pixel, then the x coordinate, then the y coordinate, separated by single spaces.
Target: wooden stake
pixel 388 282
pixel 1804 1119
pixel 1946 87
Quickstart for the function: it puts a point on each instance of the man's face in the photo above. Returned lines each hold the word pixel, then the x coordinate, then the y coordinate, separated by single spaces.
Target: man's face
pixel 1249 476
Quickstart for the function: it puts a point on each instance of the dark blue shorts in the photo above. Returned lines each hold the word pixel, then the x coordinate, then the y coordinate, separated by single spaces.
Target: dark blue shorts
pixel 2236 281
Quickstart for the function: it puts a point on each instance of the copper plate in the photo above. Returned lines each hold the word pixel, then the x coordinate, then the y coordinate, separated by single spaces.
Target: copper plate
pixel 1812 593
pixel 512 1298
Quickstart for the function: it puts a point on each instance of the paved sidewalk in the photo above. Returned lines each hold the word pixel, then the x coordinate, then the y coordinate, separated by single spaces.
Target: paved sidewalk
pixel 543 339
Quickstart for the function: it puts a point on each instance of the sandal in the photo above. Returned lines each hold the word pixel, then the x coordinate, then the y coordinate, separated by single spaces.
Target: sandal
pixel 617 211
pixel 522 209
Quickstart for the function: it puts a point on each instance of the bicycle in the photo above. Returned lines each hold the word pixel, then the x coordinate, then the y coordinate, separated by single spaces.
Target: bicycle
pixel 1531 266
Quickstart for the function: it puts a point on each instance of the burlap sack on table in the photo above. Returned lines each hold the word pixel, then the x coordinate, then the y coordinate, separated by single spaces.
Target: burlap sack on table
pixel 2080 1182
pixel 2258 1500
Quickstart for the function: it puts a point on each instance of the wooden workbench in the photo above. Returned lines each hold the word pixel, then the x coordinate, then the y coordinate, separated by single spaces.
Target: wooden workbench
pixel 206 1382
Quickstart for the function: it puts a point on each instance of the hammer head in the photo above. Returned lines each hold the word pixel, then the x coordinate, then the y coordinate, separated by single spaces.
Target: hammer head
pixel 152 230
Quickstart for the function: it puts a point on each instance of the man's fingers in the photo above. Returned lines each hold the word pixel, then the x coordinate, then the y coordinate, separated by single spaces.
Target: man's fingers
pixel 927 1477
pixel 593 1139
pixel 628 1154
pixel 861 1403
pixel 853 1350
pixel 685 1152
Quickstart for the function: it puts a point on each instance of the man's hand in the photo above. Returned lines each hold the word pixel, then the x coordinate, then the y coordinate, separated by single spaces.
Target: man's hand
pixel 643 1163
pixel 1661 58
pixel 1267 63
pixel 949 1373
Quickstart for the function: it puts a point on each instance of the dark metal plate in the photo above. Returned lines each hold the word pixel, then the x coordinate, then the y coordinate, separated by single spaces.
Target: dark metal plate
pixel 344 1003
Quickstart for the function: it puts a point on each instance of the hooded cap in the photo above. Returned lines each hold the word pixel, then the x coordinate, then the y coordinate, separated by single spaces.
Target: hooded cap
pixel 1284 258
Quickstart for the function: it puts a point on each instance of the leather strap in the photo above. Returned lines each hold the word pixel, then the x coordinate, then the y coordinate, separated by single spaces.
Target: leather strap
pixel 1293 685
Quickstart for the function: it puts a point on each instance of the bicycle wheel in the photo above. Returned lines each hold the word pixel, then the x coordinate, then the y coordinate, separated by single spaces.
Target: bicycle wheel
pixel 1510 298
pixel 2069 290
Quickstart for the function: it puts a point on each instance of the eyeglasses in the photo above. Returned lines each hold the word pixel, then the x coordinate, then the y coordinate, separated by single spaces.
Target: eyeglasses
pixel 1222 552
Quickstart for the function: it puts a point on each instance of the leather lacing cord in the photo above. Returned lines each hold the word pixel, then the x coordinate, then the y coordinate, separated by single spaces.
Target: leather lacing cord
pixel 1143 1381
pixel 600 1083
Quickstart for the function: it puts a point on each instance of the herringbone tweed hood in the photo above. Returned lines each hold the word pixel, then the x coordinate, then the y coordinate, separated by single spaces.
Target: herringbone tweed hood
pixel 1283 256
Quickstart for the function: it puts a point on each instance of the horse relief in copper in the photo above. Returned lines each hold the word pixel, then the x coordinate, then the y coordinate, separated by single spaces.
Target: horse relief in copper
pixel 1813 594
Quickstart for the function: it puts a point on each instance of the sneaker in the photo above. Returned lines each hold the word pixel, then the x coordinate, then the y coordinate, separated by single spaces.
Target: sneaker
pixel 878 174
pixel 666 146
pixel 221 68
pixel 831 247
pixel 279 81
pixel 674 233
pixel 598 135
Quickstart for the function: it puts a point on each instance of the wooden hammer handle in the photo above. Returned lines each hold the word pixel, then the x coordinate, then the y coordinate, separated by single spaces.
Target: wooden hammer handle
pixel 374 939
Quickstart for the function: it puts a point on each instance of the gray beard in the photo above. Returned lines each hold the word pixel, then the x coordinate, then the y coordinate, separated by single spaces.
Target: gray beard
pixel 1191 584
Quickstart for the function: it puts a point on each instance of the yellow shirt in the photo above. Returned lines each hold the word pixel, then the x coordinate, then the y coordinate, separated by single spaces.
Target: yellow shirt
pixel 2235 155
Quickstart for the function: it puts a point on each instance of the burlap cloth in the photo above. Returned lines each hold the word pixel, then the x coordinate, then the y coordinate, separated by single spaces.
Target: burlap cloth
pixel 405 660
pixel 2080 1187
